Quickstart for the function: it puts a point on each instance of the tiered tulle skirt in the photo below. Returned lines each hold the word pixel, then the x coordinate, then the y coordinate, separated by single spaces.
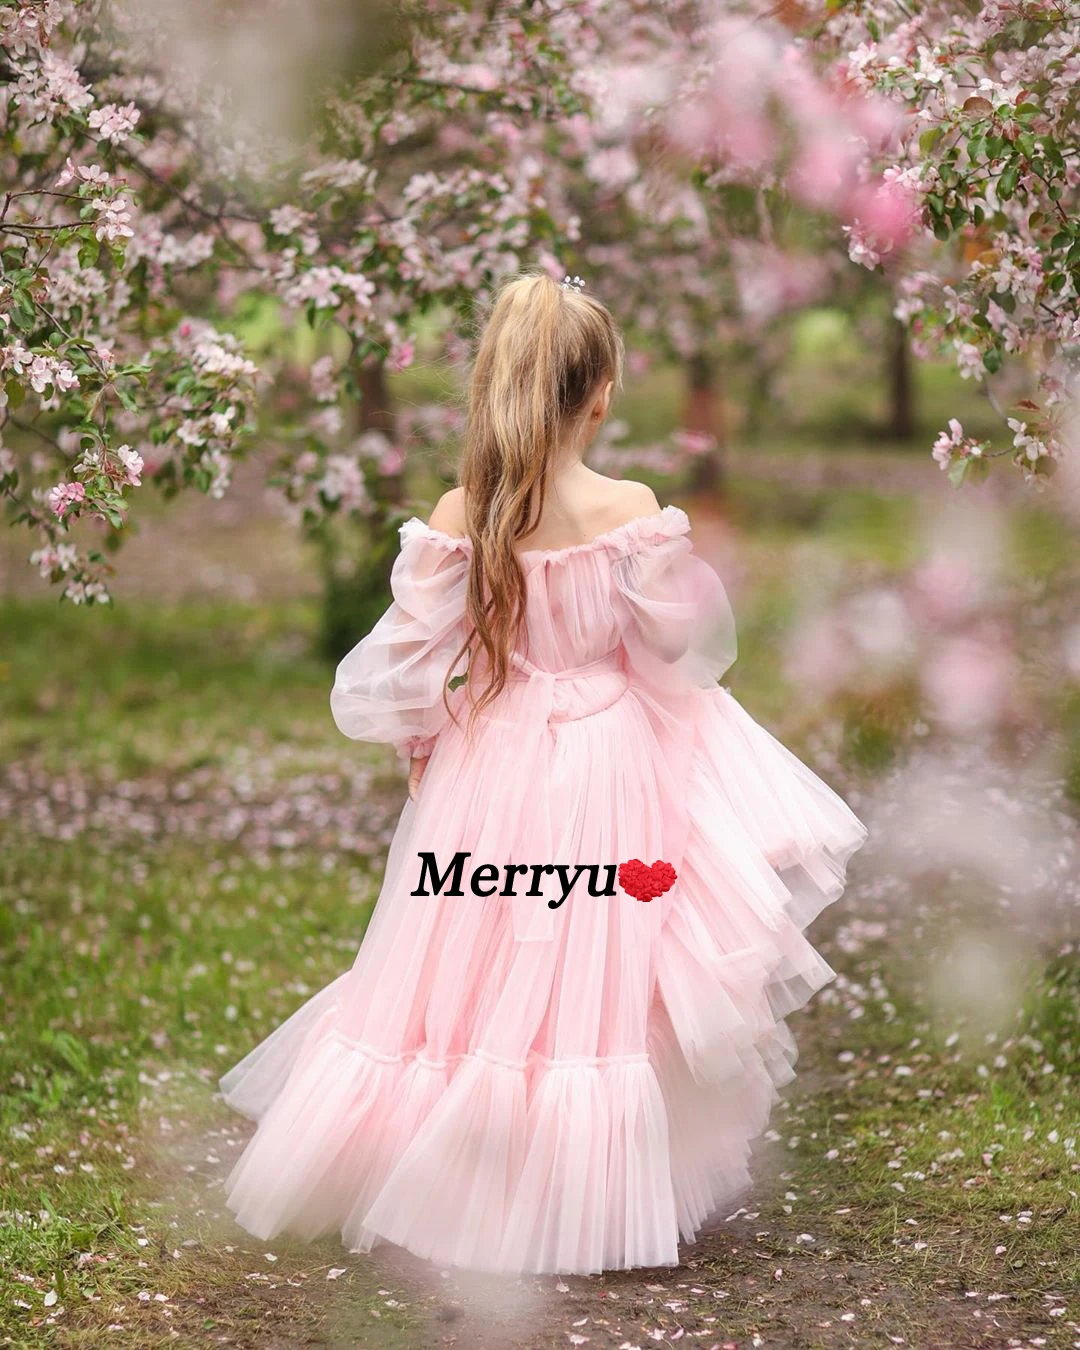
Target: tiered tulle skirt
pixel 568 1105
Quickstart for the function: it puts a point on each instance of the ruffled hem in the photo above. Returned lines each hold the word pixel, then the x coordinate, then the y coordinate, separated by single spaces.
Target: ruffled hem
pixel 805 831
pixel 546 1167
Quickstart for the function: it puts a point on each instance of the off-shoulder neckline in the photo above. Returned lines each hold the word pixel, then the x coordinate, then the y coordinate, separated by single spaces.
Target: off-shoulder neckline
pixel 668 520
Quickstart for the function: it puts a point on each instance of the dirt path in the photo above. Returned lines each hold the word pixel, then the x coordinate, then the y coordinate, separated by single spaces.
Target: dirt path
pixel 807 1260
pixel 759 1277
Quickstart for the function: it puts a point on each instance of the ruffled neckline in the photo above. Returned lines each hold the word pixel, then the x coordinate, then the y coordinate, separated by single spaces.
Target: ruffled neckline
pixel 624 538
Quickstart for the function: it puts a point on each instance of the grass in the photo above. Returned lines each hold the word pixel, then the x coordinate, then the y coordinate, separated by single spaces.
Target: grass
pixel 189 849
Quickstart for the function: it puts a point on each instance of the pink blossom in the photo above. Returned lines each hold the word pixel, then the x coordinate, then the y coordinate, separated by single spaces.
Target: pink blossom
pixel 41 373
pixel 322 379
pixel 861 248
pixel 64 377
pixel 392 462
pixel 63 497
pixel 362 289
pixel 401 356
pixel 221 422
pixel 884 217
pixel 638 362
pixel 45 560
pixel 191 432
pixel 693 443
pixel 969 359
pixel 612 167
pixel 948 442
pixel 343 482
pixel 316 286
pixel 889 210
pixel 968 680
pixel 821 173
pixel 819 655
pixel 114 222
pixel 86 592
pixel 132 462
pixel 945 589
pixel 61 557
pixel 287 219
pixel 1030 447
pixel 115 122
pixel 18 357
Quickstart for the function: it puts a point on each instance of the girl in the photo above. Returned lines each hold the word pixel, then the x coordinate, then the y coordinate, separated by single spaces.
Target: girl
pixel 531 1069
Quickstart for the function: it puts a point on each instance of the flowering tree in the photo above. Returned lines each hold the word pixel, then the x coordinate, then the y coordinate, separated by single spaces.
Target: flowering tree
pixel 156 213
pixel 709 179
pixel 146 216
pixel 987 155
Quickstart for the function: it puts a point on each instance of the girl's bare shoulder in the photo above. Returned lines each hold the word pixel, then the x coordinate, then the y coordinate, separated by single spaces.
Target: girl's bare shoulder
pixel 619 500
pixel 607 504
pixel 449 513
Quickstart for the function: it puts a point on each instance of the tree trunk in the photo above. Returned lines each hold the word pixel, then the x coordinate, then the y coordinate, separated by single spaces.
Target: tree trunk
pixel 356 560
pixel 377 414
pixel 704 412
pixel 901 422
pixel 759 395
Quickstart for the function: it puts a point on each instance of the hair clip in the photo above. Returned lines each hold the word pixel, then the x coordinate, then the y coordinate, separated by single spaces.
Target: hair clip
pixel 569 283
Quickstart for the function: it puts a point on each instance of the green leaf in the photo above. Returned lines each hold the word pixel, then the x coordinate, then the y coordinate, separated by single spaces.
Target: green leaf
pixel 957 469
pixel 930 138
pixel 978 469
pixel 1008 180
pixel 992 360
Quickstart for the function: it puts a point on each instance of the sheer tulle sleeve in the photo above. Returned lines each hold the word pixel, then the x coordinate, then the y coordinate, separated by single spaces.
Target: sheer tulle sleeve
pixel 389 687
pixel 677 625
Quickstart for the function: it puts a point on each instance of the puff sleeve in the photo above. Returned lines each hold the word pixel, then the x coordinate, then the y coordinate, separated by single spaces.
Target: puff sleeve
pixel 673 612
pixel 389 687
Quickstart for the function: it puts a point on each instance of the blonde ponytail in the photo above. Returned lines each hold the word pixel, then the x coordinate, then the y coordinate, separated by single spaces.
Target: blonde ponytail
pixel 544 351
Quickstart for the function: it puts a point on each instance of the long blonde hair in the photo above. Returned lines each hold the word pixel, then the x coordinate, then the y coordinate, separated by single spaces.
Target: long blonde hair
pixel 545 350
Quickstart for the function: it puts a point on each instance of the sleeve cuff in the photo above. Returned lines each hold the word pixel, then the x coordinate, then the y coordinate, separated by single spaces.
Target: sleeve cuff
pixel 416 747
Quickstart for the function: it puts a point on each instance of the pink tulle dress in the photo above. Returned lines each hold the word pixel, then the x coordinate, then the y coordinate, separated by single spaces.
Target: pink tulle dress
pixel 508 1084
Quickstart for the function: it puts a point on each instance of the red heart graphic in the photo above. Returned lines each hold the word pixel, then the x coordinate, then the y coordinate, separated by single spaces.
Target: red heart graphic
pixel 646 883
